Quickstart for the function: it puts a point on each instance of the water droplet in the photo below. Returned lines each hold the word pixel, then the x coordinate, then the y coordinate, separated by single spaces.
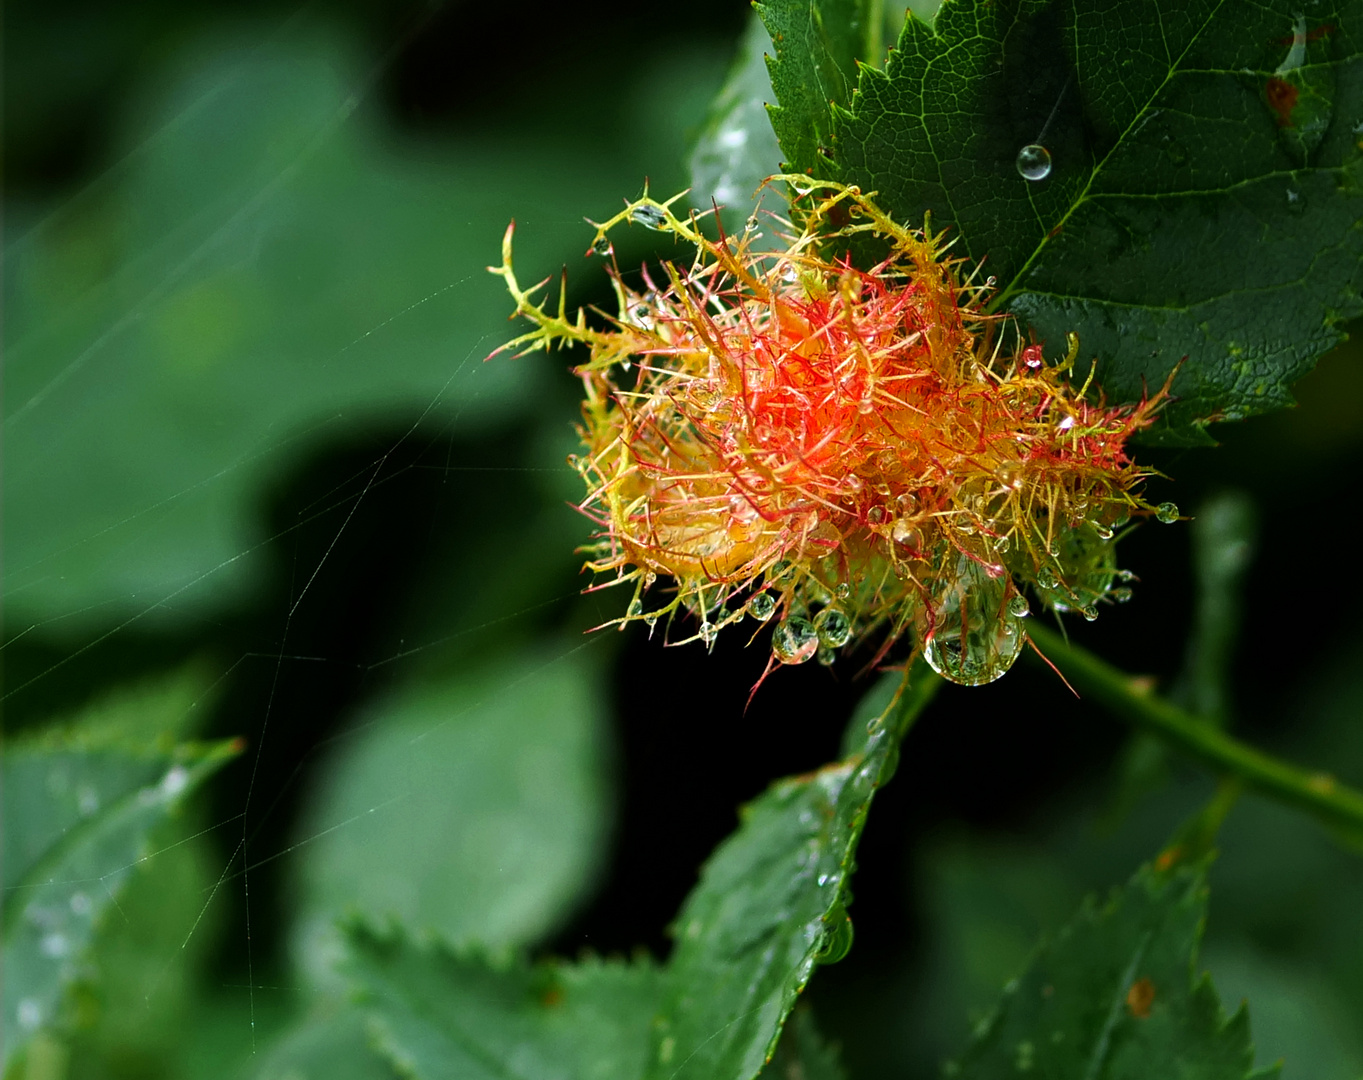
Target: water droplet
pixel 1031 356
pixel 29 1014
pixel 1019 607
pixel 54 946
pixel 650 217
pixel 973 637
pixel 833 627
pixel 1167 512
pixel 762 606
pixel 995 570
pixel 1103 532
pixel 1090 612
pixel 876 515
pixel 1034 162
pixel 843 590
pixel 1045 577
pixel 1122 594
pixel 826 656
pixel 794 640
pixel 781 571
pixel 836 938
pixel 80 904
pixel 708 633
pixel 905 534
pixel 601 246
pixel 1003 543
pixel 635 609
pixel 650 621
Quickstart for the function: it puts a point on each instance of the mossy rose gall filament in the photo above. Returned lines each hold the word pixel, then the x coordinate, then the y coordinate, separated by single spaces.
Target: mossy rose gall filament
pixel 782 435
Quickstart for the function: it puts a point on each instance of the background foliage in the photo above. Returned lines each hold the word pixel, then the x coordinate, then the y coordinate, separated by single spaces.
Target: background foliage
pixel 260 485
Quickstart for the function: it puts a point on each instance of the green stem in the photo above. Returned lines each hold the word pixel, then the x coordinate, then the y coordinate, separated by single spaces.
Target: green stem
pixel 1317 793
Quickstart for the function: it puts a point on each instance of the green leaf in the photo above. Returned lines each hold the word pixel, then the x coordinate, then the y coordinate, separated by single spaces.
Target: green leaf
pixel 1223 548
pixel 81 805
pixel 441 1015
pixel 329 1045
pixel 1187 217
pixel 818 44
pixel 803 1053
pixel 1115 996
pixel 737 148
pixel 770 906
pixel 264 272
pixel 474 805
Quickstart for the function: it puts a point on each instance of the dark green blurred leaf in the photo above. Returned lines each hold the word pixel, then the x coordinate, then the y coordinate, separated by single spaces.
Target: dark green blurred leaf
pixel 802 1053
pixel 1223 547
pixel 737 149
pixel 1115 995
pixel 818 44
pixel 770 906
pixel 80 808
pixel 1183 218
pixel 445 1016
pixel 475 806
pixel 259 275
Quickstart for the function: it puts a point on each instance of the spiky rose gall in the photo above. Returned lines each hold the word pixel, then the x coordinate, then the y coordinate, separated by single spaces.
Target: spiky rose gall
pixel 852 453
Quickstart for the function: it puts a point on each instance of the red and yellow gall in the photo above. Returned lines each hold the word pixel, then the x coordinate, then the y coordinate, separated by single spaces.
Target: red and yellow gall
pixel 853 454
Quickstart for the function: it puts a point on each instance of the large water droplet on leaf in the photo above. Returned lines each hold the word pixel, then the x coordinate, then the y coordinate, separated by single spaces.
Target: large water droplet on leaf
pixel 837 936
pixel 1034 162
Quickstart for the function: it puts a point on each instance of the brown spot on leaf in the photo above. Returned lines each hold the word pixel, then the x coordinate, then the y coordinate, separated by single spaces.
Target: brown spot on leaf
pixel 1281 96
pixel 1140 997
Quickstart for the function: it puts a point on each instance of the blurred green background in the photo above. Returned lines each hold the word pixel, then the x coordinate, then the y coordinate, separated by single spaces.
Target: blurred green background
pixel 260 483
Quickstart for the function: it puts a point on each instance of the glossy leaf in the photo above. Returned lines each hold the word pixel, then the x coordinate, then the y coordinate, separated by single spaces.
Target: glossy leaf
pixel 81 806
pixel 772 905
pixel 1116 996
pixel 1193 214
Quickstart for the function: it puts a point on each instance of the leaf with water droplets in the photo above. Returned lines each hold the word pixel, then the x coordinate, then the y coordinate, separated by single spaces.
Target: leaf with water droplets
pixel 442 1015
pixel 1191 213
pixel 81 804
pixel 770 907
pixel 1114 995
